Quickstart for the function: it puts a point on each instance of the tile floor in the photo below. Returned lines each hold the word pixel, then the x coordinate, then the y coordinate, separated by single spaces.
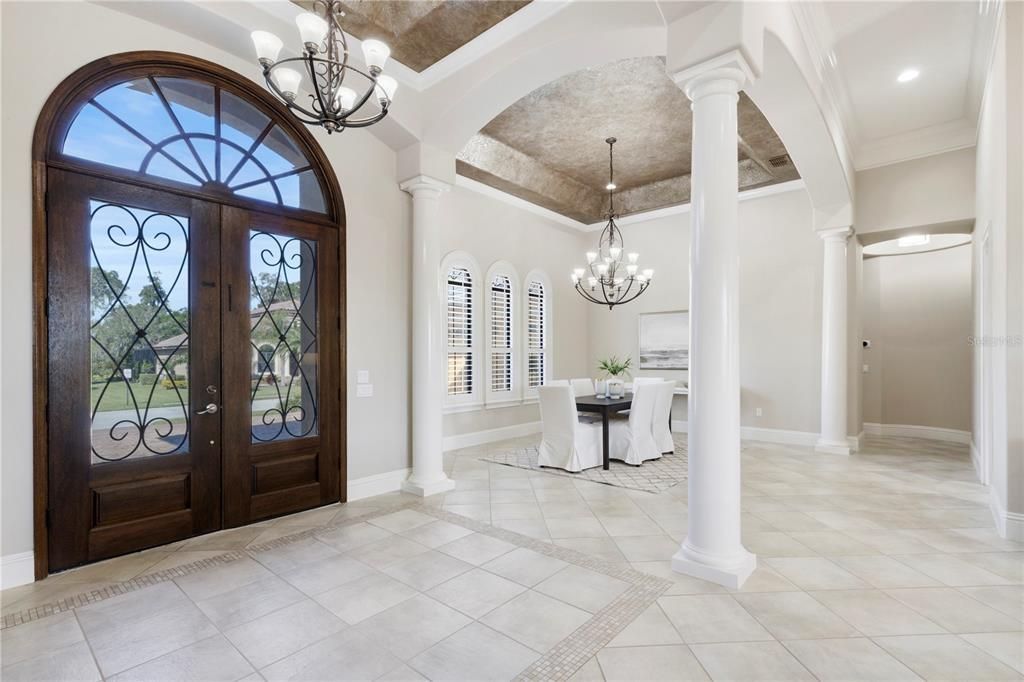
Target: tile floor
pixel 880 566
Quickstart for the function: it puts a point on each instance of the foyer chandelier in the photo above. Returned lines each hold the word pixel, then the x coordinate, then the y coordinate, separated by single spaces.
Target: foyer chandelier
pixel 324 61
pixel 611 280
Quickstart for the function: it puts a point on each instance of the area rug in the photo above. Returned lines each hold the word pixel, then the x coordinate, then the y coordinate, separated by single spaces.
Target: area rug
pixel 654 476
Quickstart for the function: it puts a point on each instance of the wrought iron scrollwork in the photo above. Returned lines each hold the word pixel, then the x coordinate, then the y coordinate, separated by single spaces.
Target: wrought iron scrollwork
pixel 122 331
pixel 283 336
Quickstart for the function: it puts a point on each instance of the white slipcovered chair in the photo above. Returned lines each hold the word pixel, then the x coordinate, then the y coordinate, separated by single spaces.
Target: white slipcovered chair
pixel 583 386
pixel 662 416
pixel 567 442
pixel 631 440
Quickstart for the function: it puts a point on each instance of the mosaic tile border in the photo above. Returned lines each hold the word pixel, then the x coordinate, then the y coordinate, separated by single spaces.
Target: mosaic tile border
pixel 560 663
pixel 137 583
pixel 89 597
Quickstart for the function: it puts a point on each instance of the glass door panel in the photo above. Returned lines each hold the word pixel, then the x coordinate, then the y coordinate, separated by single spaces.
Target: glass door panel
pixel 139 332
pixel 283 336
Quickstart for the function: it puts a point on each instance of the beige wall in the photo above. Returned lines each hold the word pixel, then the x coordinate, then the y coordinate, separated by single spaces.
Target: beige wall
pixel 780 307
pixel 918 312
pixel 490 230
pixel 926 191
pixel 378 237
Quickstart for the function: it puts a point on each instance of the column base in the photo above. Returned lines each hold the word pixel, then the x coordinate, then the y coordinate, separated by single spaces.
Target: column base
pixel 440 485
pixel 831 447
pixel 731 573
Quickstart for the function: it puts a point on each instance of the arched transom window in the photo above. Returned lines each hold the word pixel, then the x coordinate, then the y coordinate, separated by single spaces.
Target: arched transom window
pixel 197 134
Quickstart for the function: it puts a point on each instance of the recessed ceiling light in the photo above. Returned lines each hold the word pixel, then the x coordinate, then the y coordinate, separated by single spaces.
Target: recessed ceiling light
pixel 610 186
pixel 908 75
pixel 914 240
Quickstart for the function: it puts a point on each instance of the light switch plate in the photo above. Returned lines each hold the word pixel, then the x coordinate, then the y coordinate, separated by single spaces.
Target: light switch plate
pixel 865 369
pixel 363 376
pixel 364 391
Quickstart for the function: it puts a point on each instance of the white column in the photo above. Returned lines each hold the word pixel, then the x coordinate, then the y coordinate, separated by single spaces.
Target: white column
pixel 713 549
pixel 834 345
pixel 428 477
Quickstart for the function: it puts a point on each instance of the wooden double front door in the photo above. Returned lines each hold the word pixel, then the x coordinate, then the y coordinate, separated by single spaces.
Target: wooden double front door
pixel 193 364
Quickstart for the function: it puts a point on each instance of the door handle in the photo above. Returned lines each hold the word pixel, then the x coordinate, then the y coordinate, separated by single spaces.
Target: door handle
pixel 211 408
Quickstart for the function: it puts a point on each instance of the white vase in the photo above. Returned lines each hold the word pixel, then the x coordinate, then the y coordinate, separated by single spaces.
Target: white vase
pixel 615 387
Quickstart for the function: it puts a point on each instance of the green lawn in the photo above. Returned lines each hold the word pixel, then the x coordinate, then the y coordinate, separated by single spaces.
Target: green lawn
pixel 116 397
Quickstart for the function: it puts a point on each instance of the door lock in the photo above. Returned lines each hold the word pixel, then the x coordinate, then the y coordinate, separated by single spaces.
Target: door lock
pixel 211 408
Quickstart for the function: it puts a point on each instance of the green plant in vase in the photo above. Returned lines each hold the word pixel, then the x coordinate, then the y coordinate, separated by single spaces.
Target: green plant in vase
pixel 615 386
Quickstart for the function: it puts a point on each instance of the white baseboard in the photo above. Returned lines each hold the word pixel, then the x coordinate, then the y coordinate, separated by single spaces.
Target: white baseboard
pixel 913 431
pixel 764 435
pixel 17 569
pixel 783 436
pixel 856 441
pixel 466 440
pixel 1009 525
pixel 976 462
pixel 378 484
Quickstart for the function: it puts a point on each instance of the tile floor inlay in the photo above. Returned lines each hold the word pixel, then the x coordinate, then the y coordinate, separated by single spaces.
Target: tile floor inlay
pixel 879 566
pixel 653 476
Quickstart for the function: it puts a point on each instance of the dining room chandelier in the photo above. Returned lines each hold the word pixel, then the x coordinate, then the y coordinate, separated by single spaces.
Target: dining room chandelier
pixel 611 280
pixel 324 61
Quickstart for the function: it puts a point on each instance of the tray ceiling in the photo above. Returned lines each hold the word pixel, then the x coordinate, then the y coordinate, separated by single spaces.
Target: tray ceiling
pixel 422 32
pixel 548 147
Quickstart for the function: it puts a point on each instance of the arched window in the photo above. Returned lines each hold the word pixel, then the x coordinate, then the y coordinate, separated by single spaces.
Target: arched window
pixel 502 296
pixel 501 334
pixel 461 300
pixel 538 322
pixel 460 332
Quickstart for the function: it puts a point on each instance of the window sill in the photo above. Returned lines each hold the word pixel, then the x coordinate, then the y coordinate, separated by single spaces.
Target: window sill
pixel 500 404
pixel 463 407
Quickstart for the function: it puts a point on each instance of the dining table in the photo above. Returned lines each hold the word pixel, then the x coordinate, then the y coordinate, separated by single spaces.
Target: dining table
pixel 606 407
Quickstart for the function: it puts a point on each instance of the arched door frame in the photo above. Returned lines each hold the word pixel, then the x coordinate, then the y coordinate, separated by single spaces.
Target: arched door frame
pixel 54 121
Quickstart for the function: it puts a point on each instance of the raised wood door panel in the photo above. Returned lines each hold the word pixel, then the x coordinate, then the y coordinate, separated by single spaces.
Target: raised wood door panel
pixel 133 318
pixel 281 372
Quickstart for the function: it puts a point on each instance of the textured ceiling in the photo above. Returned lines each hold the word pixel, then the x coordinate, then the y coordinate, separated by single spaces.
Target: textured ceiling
pixel 549 146
pixel 422 32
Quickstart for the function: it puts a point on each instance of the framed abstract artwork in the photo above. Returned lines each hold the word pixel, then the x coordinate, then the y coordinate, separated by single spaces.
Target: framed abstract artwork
pixel 665 340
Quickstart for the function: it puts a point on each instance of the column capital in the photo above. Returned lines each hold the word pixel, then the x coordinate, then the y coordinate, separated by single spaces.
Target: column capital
pixel 836 234
pixel 424 184
pixel 726 73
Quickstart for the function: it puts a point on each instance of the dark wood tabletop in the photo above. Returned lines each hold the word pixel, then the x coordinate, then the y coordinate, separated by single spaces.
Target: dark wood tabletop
pixel 594 403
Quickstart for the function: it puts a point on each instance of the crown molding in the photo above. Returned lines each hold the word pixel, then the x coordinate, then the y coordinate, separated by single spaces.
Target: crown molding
pixel 511 200
pixel 918 144
pixel 681 209
pixel 632 219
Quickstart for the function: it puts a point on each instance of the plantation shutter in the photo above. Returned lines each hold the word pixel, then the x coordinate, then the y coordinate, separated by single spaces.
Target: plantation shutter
pixel 536 335
pixel 460 332
pixel 501 334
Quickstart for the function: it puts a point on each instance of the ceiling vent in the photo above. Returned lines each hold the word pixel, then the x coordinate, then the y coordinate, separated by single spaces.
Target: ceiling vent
pixel 779 161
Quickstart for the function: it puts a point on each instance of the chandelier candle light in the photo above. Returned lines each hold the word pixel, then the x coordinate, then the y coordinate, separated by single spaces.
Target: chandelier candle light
pixel 325 62
pixel 612 281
